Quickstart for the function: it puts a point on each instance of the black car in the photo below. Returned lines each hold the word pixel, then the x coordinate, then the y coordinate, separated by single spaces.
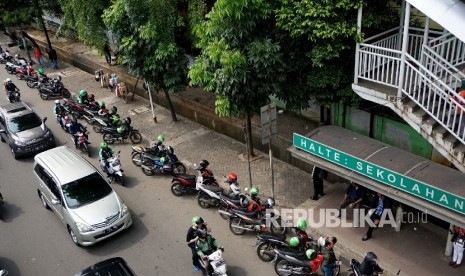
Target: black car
pixel 111 267
pixel 23 130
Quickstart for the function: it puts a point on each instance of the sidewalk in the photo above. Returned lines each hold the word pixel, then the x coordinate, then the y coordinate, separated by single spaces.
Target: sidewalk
pixel 414 252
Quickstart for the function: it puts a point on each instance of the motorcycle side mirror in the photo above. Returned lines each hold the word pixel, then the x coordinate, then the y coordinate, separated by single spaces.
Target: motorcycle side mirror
pixel 44 119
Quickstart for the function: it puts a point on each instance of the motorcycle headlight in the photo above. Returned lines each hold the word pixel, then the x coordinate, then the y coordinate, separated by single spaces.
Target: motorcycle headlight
pixel 124 210
pixel 83 228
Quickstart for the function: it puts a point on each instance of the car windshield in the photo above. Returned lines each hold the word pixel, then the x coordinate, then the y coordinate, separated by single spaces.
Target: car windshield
pixel 24 122
pixel 85 190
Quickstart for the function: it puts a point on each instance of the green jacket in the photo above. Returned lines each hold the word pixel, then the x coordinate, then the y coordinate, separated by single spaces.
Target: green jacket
pixel 206 246
pixel 329 259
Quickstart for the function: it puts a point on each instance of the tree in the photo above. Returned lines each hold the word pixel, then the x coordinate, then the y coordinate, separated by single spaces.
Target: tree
pixel 240 61
pixel 147 31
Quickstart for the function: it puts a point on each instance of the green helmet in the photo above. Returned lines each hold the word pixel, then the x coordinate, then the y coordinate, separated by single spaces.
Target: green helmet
pixel 254 191
pixel 83 93
pixel 101 104
pixel 120 130
pixel 302 224
pixel 197 220
pixel 161 138
pixel 103 145
pixel 294 242
pixel 311 254
pixel 115 118
pixel 41 70
pixel 163 160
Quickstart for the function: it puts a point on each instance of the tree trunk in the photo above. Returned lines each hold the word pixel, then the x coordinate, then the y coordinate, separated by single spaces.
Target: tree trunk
pixel 173 113
pixel 248 128
pixel 134 90
pixel 24 42
pixel 41 21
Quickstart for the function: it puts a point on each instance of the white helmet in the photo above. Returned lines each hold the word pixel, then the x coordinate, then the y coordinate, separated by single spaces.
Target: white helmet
pixel 8 80
pixel 57 101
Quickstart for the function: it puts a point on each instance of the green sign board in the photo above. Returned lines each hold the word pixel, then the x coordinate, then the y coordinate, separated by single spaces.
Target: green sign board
pixel 383 175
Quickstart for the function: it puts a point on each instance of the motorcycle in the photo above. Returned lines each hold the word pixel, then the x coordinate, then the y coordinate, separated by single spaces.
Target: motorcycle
pixel 54 90
pixel 267 243
pixel 83 143
pixel 6 57
pixel 34 81
pixel 371 264
pixel 240 222
pixel 152 164
pixel 99 122
pixel 13 96
pixel 182 184
pixel 292 262
pixel 114 171
pixel 21 73
pixel 136 154
pixel 211 196
pixel 217 263
pixel 110 135
pixel 10 67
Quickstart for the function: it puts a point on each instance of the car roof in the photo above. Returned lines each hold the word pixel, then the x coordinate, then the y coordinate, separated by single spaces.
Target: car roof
pixel 15 109
pixel 116 266
pixel 64 164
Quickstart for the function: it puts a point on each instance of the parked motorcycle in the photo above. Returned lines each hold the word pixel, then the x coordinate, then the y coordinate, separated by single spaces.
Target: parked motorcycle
pixel 292 262
pixel 13 96
pixel 114 170
pixel 110 135
pixel 6 57
pixel 21 73
pixel 210 196
pixel 55 90
pixel 368 267
pixel 10 67
pixel 217 263
pixel 267 243
pixel 152 164
pixel 99 122
pixel 182 184
pixel 136 154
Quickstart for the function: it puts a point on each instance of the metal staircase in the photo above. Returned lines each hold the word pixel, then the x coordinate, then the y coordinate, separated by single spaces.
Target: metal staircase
pixel 419 85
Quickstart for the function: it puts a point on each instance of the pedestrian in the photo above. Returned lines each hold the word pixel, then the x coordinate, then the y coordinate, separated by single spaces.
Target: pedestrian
pixel 458 241
pixel 39 57
pixel 329 258
pixel 52 55
pixel 107 52
pixel 318 174
pixel 353 197
pixel 379 204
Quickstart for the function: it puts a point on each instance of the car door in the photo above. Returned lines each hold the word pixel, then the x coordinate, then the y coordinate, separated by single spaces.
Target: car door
pixel 56 195
pixel 4 136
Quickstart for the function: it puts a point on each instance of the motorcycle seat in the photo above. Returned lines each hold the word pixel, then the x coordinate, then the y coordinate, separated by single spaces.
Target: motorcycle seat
pixel 189 177
pixel 271 236
pixel 150 156
pixel 295 253
pixel 213 188
pixel 246 213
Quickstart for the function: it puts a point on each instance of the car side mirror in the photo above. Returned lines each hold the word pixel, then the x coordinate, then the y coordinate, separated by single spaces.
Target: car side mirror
pixel 55 201
pixel 44 119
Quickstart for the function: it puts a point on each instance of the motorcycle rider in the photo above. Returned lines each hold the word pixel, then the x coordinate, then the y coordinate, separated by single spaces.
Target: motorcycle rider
pixel 197 223
pixel 59 110
pixel 10 88
pixel 301 233
pixel 124 128
pixel 74 130
pixel 159 147
pixel 251 202
pixel 83 97
pixel 42 75
pixel 103 111
pixel 105 153
pixel 29 69
pixel 234 189
pixel 206 245
pixel 369 265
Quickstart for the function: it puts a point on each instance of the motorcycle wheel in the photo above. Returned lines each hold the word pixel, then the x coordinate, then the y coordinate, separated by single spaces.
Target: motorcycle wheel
pixel 119 179
pixel 19 76
pixel 30 84
pixel 223 208
pixel 108 138
pixel 176 189
pixel 283 267
pixel 10 71
pixel 87 150
pixel 43 96
pixel 280 229
pixel 336 270
pixel 97 127
pixel 202 200
pixel 66 93
pixel 147 172
pixel 135 137
pixel 234 223
pixel 136 159
pixel 265 251
pixel 178 168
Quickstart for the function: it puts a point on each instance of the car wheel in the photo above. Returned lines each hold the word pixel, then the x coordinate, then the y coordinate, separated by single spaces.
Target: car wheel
pixel 73 236
pixel 44 202
pixel 15 155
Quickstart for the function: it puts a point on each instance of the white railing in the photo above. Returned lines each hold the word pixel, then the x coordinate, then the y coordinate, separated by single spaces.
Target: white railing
pixel 449 48
pixel 441 68
pixel 376 64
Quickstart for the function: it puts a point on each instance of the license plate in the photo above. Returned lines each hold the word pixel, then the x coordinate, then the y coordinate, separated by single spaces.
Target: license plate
pixel 111 229
pixel 219 263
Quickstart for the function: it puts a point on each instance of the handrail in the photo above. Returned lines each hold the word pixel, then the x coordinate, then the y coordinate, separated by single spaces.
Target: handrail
pixel 380 34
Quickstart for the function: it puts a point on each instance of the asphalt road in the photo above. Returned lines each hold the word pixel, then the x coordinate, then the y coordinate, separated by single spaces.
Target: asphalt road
pixel 34 242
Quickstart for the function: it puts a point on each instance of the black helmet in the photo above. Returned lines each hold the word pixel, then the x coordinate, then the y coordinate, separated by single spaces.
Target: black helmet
pixel 371 258
pixel 114 110
pixel 127 120
pixel 204 164
pixel 269 203
pixel 201 233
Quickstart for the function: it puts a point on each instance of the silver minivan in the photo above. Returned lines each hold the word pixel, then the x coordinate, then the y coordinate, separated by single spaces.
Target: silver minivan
pixel 88 206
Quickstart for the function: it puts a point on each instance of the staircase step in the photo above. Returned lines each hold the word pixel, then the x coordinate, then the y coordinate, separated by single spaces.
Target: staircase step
pixel 450 142
pixel 410 106
pixel 428 125
pixel 459 152
pixel 439 131
pixel 419 116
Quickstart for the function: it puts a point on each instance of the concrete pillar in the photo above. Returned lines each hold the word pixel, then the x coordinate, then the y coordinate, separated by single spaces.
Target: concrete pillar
pixel 448 251
pixel 357 46
pixel 404 50
pixel 399 217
